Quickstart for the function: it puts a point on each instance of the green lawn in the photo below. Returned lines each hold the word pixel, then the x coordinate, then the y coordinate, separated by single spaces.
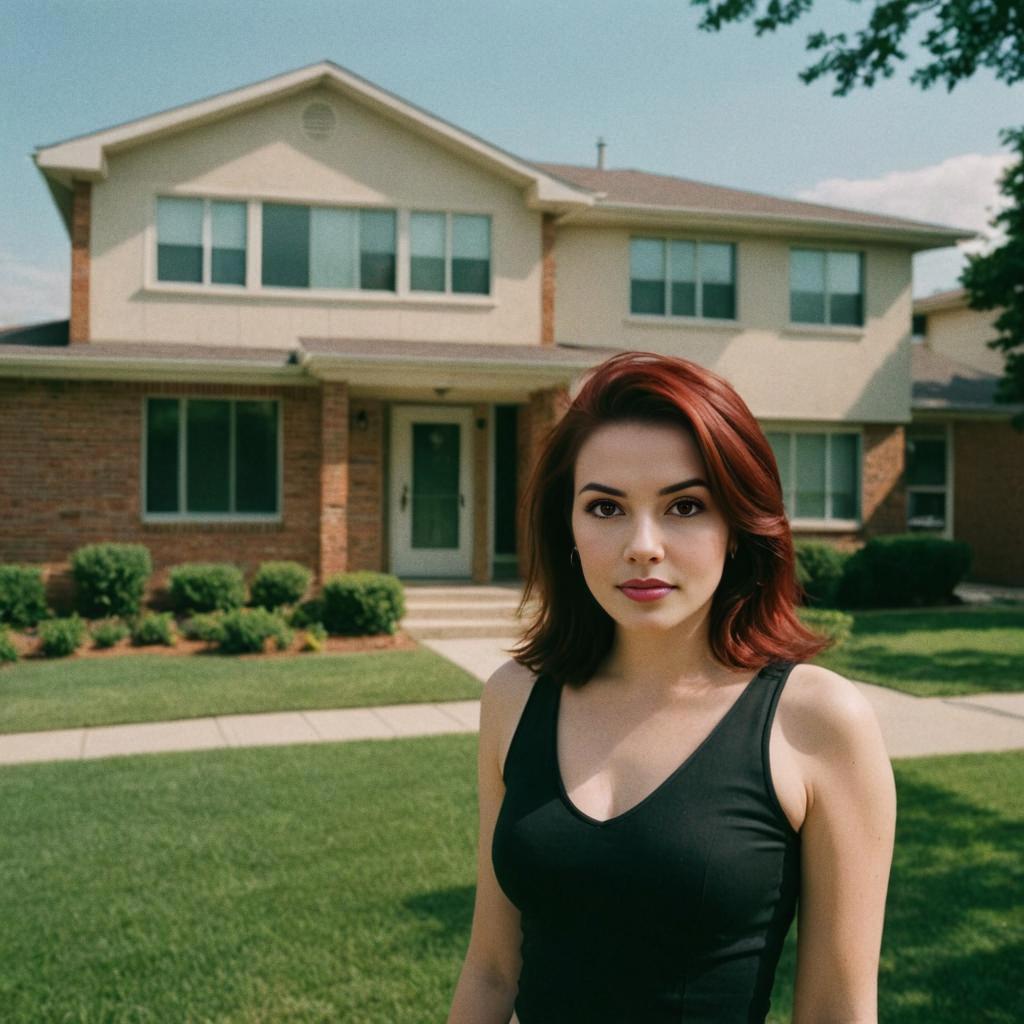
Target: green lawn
pixel 937 652
pixel 335 883
pixel 146 688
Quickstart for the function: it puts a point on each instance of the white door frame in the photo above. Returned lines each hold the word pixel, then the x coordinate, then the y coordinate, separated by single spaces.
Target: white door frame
pixel 405 559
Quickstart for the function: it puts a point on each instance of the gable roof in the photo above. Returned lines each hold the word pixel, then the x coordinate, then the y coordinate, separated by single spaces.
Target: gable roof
pixel 85 156
pixel 953 298
pixel 943 384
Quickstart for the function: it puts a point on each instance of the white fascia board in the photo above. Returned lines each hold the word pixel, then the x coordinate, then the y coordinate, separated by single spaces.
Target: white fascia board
pixel 639 215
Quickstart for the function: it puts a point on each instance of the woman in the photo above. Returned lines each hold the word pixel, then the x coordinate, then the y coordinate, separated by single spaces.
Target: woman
pixel 662 775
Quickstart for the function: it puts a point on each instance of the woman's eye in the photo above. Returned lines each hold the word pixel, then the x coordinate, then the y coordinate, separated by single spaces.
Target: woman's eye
pixel 691 505
pixel 694 505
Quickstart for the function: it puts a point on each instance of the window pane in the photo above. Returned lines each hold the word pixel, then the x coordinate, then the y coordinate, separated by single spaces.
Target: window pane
pixel 682 264
pixel 806 286
pixel 256 456
pixel 926 510
pixel 471 254
pixel 718 283
pixel 780 448
pixel 286 245
pixel 207 465
pixel 377 250
pixel 229 232
pixel 647 275
pixel 435 485
pixel 926 461
pixel 332 247
pixel 844 288
pixel 810 476
pixel 426 243
pixel 162 455
pixel 179 234
pixel 845 475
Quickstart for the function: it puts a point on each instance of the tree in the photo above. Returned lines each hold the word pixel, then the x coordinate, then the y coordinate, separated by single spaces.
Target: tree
pixel 960 37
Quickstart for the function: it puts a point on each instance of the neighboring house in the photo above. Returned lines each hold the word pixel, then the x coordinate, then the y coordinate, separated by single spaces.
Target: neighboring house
pixel 965 463
pixel 310 320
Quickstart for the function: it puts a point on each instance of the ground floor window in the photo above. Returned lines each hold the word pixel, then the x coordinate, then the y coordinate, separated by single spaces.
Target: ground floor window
pixel 211 457
pixel 927 479
pixel 820 473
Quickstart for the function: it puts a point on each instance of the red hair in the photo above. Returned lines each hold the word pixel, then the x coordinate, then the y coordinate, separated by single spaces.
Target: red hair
pixel 753 617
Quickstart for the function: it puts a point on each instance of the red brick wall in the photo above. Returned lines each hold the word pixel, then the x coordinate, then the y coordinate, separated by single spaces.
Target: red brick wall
pixel 988 498
pixel 81 205
pixel 547 280
pixel 366 499
pixel 70 465
pixel 883 497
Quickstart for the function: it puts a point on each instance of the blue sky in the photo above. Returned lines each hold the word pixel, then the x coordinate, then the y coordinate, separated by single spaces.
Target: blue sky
pixel 542 80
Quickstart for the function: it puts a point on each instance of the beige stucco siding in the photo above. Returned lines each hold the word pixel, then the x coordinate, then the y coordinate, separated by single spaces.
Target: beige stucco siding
pixel 265 154
pixel 784 372
pixel 961 334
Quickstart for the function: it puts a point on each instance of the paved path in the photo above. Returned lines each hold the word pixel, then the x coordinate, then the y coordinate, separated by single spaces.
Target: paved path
pixel 912 726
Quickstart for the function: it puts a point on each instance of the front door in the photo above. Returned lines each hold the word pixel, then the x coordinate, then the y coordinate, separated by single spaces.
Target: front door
pixel 431 490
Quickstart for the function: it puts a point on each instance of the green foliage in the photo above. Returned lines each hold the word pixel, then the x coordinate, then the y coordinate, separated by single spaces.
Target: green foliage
pixel 205 626
pixel 108 632
pixel 206 587
pixel 22 595
pixel 362 604
pixel 110 579
pixel 154 628
pixel 308 613
pixel 246 630
pixel 903 571
pixel 278 583
pixel 314 638
pixel 61 637
pixel 819 568
pixel 836 625
pixel 8 652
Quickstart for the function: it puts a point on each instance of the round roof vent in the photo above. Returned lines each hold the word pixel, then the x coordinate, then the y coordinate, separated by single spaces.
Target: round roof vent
pixel 319 120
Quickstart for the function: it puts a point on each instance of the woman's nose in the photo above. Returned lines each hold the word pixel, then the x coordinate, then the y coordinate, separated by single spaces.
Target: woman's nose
pixel 645 540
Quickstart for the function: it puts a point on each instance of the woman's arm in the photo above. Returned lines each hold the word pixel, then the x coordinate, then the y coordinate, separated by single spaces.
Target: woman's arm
pixel 846 847
pixel 487 986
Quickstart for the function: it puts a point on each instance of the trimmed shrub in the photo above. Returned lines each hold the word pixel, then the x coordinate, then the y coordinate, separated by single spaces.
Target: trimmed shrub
pixel 108 632
pixel 278 583
pixel 314 638
pixel 61 637
pixel 8 652
pixel 22 595
pixel 903 571
pixel 362 604
pixel 308 613
pixel 205 626
pixel 836 625
pixel 206 587
pixel 154 628
pixel 246 630
pixel 110 579
pixel 819 568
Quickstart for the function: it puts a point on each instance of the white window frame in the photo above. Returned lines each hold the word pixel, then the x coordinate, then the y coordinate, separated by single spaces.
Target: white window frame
pixel 789 487
pixel 207 517
pixel 207 243
pixel 827 322
pixel 699 316
pixel 449 215
pixel 942 432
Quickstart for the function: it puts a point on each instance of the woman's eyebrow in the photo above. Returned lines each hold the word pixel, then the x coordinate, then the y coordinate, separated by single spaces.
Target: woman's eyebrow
pixel 681 486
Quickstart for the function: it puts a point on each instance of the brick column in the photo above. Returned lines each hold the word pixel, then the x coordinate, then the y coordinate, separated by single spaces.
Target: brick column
pixel 884 496
pixel 334 482
pixel 81 206
pixel 547 279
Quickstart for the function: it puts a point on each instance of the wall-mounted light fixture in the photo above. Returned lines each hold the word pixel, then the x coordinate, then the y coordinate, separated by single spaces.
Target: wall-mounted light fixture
pixel 361 421
pixel 441 392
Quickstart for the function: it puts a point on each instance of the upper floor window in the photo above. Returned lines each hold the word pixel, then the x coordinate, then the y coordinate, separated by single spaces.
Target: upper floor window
pixel 820 473
pixel 450 252
pixel 328 247
pixel 211 457
pixel 826 287
pixel 200 240
pixel 674 277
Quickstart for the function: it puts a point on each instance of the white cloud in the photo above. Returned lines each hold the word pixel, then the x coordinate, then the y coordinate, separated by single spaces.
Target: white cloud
pixel 31 293
pixel 961 192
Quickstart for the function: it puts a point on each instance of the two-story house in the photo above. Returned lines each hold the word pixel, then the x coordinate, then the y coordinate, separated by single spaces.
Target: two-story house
pixel 311 320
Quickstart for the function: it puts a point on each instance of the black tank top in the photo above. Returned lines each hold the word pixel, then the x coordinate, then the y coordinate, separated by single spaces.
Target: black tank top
pixel 673 911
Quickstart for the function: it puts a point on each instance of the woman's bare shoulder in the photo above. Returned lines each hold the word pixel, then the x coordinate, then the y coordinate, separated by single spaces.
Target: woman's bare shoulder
pixel 501 704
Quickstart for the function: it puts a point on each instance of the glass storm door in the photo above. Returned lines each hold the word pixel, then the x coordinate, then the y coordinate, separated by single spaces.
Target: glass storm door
pixel 431 502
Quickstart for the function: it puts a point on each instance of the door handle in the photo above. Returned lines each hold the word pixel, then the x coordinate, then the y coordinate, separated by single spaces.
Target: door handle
pixel 405 497
pixel 462 500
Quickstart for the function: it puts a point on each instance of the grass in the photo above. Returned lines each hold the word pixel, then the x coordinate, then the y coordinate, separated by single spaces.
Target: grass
pixel 937 652
pixel 335 883
pixel 144 688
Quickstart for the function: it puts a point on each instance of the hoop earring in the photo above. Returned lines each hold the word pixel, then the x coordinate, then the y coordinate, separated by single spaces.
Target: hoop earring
pixel 571 554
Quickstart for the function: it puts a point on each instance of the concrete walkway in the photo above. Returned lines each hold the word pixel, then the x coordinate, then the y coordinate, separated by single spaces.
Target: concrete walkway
pixel 911 726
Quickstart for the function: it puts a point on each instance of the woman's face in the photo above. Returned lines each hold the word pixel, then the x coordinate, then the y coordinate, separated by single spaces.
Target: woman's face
pixel 680 537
